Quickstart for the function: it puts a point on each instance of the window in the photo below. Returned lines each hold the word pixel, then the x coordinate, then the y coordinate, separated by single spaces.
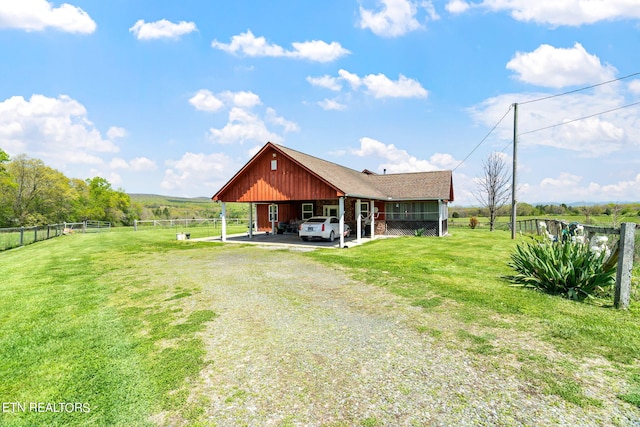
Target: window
pixel 273 213
pixel 364 209
pixel 330 210
pixel 307 210
pixel 274 165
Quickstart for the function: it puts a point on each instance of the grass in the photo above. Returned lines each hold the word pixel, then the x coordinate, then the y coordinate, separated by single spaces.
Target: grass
pixel 103 320
pixel 111 320
pixel 461 278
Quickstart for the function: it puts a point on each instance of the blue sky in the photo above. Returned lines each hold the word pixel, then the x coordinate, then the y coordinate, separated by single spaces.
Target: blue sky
pixel 174 97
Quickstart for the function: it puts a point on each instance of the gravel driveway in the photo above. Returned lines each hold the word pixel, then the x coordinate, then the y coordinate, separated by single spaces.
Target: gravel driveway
pixel 298 344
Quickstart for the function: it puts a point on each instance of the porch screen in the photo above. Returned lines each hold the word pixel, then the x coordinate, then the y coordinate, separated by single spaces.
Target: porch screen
pixel 412 211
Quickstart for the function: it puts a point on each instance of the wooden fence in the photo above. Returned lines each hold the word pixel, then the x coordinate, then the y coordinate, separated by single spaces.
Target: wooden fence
pixel 622 251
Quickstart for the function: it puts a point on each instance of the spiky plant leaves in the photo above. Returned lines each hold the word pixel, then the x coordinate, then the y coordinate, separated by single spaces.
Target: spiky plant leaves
pixel 557 268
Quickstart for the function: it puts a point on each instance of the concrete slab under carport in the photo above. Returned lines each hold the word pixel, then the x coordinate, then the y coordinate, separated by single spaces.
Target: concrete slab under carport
pixel 286 240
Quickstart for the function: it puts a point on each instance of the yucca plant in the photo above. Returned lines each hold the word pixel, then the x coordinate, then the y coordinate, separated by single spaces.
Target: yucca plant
pixel 567 269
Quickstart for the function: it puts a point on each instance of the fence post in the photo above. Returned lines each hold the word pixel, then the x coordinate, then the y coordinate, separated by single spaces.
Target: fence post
pixel 625 264
pixel 21 236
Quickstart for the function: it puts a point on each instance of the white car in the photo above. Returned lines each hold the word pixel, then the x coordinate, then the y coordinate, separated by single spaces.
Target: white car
pixel 324 227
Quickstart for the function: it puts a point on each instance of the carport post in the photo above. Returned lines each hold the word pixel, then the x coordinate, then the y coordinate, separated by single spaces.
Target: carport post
pixel 250 220
pixel 341 226
pixel 223 217
pixel 358 221
pixel 373 214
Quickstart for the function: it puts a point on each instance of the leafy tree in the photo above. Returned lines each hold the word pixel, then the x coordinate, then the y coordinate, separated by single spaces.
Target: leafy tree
pixel 37 193
pixel 6 212
pixel 107 204
pixel 525 209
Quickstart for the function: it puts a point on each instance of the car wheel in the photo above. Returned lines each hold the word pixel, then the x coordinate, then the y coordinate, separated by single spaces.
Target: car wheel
pixel 304 238
pixel 331 237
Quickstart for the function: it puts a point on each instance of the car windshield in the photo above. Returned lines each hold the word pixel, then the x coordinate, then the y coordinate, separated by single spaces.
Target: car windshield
pixel 316 220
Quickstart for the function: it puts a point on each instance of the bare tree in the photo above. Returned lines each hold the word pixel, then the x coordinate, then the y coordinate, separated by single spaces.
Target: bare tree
pixel 494 186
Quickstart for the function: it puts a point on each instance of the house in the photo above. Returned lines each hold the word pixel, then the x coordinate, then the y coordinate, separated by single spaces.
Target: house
pixel 288 186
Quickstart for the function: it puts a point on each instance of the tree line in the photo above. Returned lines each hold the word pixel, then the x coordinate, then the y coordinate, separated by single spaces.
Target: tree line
pixel 32 193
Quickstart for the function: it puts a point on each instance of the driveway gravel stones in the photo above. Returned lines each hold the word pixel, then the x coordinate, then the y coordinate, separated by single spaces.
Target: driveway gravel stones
pixel 297 343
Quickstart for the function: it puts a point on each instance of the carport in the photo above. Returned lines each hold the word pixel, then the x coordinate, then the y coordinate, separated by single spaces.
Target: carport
pixel 284 187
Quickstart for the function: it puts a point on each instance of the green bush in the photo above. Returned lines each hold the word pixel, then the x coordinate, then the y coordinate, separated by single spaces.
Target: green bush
pixel 567 269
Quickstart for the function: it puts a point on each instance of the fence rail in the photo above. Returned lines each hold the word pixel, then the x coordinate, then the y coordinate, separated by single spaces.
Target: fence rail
pixel 185 223
pixel 21 236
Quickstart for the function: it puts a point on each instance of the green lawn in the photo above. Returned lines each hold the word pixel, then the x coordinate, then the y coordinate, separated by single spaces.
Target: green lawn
pixel 460 278
pixel 93 319
pixel 110 321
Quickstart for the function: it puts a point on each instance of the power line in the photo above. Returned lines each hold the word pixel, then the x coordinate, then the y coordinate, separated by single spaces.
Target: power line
pixel 484 139
pixel 575 120
pixel 579 90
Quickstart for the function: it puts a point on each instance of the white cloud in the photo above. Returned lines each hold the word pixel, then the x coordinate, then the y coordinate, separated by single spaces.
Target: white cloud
pixel 243 126
pixel 396 160
pixel 138 164
pixel 457 6
pixel 591 137
pixel 37 15
pixel 250 45
pixel 204 100
pixel 353 79
pixel 549 66
pixel 396 18
pixel 118 163
pixel 326 82
pixel 241 99
pixel 568 187
pixel 55 130
pixel 198 170
pixel 634 87
pixel 331 104
pixel 161 29
pixel 380 86
pixel 115 132
pixel 273 118
pixel 142 164
pixel 565 12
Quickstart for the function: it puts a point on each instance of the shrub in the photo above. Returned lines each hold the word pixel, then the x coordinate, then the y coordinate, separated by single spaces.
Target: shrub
pixel 473 222
pixel 567 269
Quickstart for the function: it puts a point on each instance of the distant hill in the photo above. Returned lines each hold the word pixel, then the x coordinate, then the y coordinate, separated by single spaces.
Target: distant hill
pixel 156 206
pixel 157 200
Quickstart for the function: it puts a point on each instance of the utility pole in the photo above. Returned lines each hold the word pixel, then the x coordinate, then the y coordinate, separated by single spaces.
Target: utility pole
pixel 515 167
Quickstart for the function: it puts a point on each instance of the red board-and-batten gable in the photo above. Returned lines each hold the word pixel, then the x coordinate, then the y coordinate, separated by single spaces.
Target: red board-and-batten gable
pixel 257 182
pixel 299 176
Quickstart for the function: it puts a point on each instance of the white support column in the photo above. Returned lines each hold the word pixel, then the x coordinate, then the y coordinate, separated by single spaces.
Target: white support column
pixel 341 213
pixel 373 214
pixel 439 218
pixel 358 221
pixel 250 227
pixel 223 218
pixel 272 217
